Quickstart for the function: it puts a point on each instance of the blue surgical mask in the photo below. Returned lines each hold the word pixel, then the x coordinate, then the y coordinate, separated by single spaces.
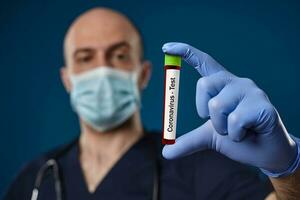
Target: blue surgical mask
pixel 105 97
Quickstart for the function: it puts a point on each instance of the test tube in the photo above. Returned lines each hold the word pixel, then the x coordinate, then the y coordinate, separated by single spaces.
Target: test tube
pixel 171 84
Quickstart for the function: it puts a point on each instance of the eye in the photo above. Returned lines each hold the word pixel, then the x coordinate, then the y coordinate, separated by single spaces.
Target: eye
pixel 122 56
pixel 84 59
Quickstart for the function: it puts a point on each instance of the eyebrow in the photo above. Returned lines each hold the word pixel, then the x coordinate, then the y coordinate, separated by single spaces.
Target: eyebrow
pixel 109 49
pixel 118 45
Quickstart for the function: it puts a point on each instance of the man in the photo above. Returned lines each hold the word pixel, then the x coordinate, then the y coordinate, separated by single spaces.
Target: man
pixel 115 158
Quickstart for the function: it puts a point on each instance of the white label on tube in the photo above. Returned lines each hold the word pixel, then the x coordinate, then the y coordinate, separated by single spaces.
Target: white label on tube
pixel 171 103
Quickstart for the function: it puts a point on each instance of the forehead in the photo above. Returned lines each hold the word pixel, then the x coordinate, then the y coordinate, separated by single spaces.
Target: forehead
pixel 100 30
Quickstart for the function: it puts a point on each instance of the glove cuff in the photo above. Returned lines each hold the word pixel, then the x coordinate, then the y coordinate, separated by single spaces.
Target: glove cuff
pixel 295 165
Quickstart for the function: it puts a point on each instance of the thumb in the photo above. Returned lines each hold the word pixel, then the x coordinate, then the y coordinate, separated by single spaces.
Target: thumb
pixel 195 140
pixel 201 61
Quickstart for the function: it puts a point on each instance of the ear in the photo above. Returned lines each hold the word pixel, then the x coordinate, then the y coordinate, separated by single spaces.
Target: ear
pixel 145 74
pixel 65 78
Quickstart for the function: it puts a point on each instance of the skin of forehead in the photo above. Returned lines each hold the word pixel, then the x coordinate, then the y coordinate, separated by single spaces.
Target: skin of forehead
pixel 98 28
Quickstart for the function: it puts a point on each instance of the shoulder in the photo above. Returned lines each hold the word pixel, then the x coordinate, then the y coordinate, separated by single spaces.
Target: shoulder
pixel 23 183
pixel 205 160
pixel 233 179
pixel 215 172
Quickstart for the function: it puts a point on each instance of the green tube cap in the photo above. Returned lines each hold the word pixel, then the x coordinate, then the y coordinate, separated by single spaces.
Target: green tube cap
pixel 172 60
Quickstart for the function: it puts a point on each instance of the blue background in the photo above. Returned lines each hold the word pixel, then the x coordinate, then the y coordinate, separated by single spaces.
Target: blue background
pixel 255 39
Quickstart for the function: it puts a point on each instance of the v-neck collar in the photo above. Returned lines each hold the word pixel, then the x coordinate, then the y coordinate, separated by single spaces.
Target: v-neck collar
pixel 133 162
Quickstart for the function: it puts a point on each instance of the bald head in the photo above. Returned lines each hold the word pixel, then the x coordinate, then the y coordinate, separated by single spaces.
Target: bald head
pixel 102 32
pixel 103 37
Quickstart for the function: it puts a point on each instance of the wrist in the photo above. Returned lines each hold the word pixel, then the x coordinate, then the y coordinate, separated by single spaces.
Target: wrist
pixel 292 167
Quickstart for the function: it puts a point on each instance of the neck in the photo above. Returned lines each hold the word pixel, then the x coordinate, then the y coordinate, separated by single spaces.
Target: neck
pixel 99 151
pixel 112 143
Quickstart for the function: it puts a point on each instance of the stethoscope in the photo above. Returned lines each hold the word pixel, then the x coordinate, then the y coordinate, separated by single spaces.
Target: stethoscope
pixel 52 165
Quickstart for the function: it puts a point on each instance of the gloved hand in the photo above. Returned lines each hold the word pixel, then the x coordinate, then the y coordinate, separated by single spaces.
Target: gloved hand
pixel 243 124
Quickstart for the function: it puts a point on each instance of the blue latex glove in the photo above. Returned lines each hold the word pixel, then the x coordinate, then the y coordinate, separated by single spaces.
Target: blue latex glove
pixel 243 124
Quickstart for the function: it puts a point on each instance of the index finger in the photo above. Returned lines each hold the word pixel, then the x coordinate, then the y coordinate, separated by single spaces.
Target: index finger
pixel 201 61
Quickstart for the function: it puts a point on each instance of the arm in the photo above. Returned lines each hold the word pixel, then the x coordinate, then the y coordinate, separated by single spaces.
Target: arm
pixel 242 123
pixel 287 187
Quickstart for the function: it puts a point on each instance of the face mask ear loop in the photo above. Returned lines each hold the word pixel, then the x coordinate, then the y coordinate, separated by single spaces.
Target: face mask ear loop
pixel 135 80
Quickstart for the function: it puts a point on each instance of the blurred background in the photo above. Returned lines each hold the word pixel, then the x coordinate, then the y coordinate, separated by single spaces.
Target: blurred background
pixel 255 39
